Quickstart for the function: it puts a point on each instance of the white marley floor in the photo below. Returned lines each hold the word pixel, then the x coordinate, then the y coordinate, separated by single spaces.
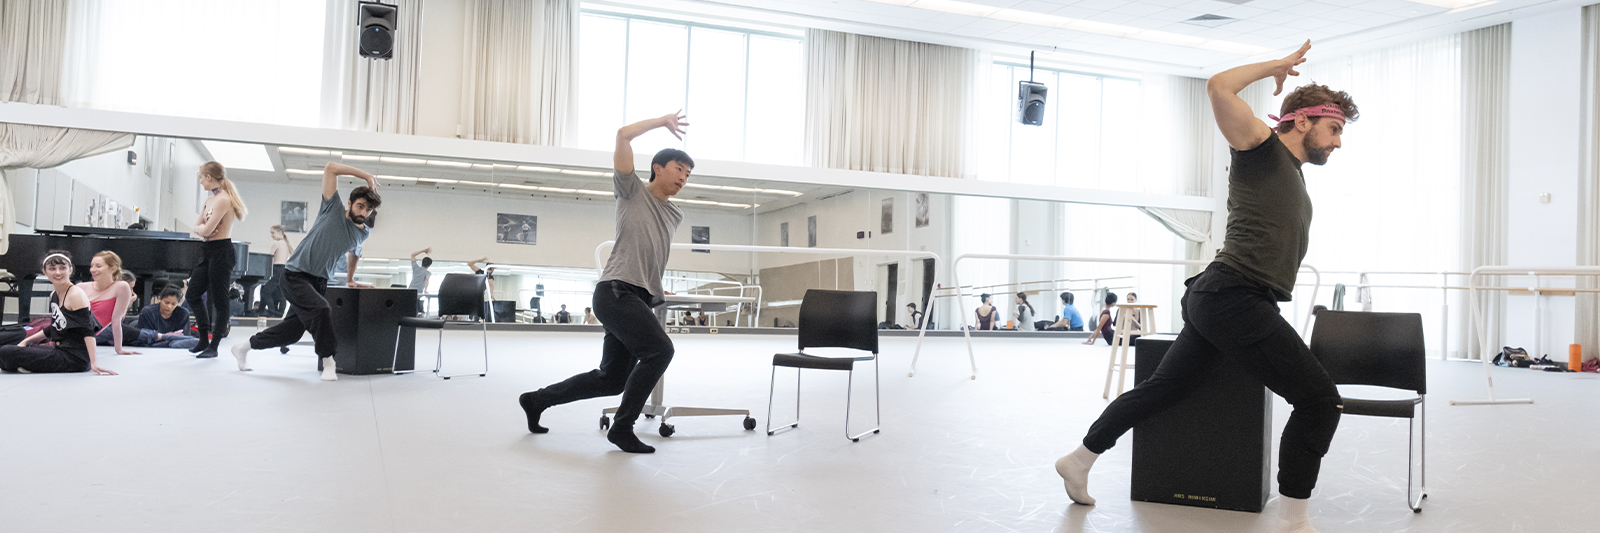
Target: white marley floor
pixel 179 444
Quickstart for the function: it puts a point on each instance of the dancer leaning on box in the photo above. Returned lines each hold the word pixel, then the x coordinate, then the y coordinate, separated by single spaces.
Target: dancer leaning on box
pixel 637 349
pixel 1231 309
pixel 337 231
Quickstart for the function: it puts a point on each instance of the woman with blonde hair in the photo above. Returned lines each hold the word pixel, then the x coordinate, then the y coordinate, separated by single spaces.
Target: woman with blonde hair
pixel 215 272
pixel 272 299
pixel 109 299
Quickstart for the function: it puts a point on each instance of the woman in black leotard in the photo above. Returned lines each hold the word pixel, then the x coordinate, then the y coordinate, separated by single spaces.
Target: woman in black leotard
pixel 71 329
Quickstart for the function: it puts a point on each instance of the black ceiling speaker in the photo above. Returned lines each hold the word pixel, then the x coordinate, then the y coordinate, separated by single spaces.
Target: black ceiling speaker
pixel 1030 99
pixel 377 22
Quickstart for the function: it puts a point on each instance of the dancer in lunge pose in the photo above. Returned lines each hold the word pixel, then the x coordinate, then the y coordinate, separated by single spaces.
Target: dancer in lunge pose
pixel 337 231
pixel 637 349
pixel 1231 309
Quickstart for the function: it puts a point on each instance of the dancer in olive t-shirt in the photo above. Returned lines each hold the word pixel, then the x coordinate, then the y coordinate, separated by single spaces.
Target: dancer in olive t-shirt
pixel 637 349
pixel 1231 309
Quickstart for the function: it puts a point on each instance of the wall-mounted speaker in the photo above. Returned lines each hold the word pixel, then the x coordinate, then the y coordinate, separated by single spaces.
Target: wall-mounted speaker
pixel 1030 102
pixel 377 23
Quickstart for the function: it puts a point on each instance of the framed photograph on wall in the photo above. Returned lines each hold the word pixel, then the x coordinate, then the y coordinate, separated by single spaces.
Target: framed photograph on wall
pixel 783 234
pixel 887 226
pixel 700 235
pixel 922 210
pixel 516 229
pixel 293 216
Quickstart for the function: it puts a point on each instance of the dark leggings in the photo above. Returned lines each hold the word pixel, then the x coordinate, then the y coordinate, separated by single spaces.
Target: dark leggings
pixel 636 354
pixel 41 359
pixel 212 276
pixel 1227 315
pixel 308 311
pixel 272 299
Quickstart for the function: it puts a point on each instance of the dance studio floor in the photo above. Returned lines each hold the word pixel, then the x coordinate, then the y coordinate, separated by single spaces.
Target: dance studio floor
pixel 178 444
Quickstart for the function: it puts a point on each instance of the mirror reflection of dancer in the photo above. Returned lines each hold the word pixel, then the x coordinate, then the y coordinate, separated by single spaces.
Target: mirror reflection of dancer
pixel 214 275
pixel 71 328
pixel 337 230
pixel 1231 309
pixel 637 349
pixel 272 294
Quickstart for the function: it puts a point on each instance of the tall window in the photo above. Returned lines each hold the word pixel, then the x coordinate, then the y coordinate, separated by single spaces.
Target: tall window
pixel 742 89
pixel 221 59
pixel 1089 139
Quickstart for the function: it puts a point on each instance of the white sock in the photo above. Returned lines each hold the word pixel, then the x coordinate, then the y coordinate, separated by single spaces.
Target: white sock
pixel 1074 470
pixel 1293 513
pixel 328 372
pixel 240 352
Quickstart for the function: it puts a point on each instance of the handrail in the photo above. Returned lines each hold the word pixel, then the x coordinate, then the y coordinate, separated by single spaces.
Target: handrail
pixel 922 329
pixel 1483 332
pixel 955 276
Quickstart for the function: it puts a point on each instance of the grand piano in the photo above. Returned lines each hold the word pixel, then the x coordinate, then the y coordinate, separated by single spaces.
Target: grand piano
pixel 145 253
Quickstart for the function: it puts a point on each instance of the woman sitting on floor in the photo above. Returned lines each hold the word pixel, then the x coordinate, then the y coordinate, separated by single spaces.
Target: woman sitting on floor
pixel 71 329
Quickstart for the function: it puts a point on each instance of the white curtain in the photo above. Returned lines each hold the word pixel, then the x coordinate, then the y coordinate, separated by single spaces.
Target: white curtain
pixel 1587 328
pixel 25 146
pixel 33 38
pixel 887 105
pixel 1485 173
pixel 520 70
pixel 1189 154
pixel 241 60
pixel 370 94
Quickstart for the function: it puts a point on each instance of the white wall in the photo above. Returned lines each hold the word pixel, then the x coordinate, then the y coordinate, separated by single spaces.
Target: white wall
pixel 1544 158
pixel 460 227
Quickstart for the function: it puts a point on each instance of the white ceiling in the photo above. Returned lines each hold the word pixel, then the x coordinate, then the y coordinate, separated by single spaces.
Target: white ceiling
pixel 1276 25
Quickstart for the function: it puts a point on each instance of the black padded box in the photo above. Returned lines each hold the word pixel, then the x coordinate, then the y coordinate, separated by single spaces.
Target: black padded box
pixel 365 322
pixel 1212 450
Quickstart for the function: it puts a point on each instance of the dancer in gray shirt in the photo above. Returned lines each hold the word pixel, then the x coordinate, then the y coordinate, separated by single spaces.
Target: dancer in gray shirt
pixel 637 349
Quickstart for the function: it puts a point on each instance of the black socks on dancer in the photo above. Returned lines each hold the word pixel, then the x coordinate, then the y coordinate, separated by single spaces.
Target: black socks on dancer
pixel 205 343
pixel 623 437
pixel 619 435
pixel 532 407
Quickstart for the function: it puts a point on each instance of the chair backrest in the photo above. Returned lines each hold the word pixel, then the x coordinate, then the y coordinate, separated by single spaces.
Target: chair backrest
pixel 839 319
pixel 462 294
pixel 1364 348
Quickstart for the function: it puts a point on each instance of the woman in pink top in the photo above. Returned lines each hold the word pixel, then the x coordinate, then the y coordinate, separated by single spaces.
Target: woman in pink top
pixel 109 298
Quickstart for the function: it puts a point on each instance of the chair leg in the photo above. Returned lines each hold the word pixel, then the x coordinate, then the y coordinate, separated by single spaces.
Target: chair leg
pixel 438 358
pixel 772 390
pixel 1414 500
pixel 485 350
pixel 849 393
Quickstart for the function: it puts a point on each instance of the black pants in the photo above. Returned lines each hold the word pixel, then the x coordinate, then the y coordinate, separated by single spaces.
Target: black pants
pixel 1228 315
pixel 272 300
pixel 308 311
pixel 212 276
pixel 636 354
pixel 41 359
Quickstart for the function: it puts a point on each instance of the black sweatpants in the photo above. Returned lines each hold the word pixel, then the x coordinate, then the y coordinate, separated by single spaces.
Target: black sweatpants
pixel 308 311
pixel 212 276
pixel 636 353
pixel 41 359
pixel 272 300
pixel 1227 315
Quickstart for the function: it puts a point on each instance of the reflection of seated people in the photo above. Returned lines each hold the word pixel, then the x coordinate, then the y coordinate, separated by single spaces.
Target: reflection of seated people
pixel 1107 321
pixel 702 320
pixel 589 318
pixel 986 313
pixel 1071 320
pixel 914 315
pixel 562 316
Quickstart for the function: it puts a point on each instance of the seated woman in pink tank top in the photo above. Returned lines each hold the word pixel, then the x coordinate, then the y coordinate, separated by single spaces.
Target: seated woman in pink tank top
pixel 109 298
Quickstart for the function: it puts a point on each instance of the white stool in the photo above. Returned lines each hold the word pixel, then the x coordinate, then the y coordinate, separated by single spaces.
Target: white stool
pixel 1121 338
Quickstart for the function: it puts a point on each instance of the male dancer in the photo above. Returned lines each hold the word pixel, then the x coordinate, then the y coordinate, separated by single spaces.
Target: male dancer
pixel 637 349
pixel 336 231
pixel 1231 309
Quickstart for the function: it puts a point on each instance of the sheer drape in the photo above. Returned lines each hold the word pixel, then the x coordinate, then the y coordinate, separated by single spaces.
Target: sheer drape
pixel 520 70
pixel 33 39
pixel 370 94
pixel 1182 103
pixel 1485 110
pixel 1587 328
pixel 887 105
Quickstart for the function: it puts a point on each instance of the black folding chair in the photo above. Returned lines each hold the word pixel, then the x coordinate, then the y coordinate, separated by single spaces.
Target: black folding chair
pixel 459 295
pixel 1383 350
pixel 833 319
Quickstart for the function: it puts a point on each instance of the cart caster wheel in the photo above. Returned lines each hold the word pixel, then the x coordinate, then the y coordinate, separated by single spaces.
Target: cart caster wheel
pixel 1415 511
pixel 482 375
pixel 794 425
pixel 283 349
pixel 649 416
pixel 769 433
pixel 447 378
pixel 749 423
pixel 605 422
pixel 875 431
pixel 855 440
pixel 667 430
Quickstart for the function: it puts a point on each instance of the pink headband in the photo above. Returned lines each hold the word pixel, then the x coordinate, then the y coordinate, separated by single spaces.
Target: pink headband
pixel 1324 110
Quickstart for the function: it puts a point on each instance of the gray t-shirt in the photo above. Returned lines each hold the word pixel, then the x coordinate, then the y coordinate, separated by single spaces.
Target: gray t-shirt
pixel 645 225
pixel 331 236
pixel 1269 216
pixel 419 276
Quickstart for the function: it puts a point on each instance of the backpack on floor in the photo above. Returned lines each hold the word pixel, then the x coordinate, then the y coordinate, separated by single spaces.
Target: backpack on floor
pixel 1513 357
